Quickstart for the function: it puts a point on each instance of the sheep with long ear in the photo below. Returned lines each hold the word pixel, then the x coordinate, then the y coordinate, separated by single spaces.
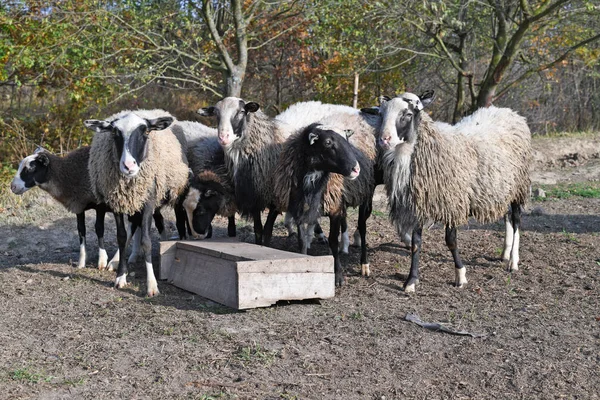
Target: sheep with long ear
pixel 251 142
pixel 136 164
pixel 478 167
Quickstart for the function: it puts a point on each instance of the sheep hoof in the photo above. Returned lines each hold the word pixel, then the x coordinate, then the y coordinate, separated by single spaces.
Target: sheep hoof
pixel 512 266
pixel 102 259
pixel 112 266
pixel 411 285
pixel 410 288
pixel 461 277
pixel 356 239
pixel 366 271
pixel 344 250
pixel 339 280
pixel 153 290
pixel 121 281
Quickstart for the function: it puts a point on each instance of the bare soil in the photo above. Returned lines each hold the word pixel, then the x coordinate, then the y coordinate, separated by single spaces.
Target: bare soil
pixel 66 333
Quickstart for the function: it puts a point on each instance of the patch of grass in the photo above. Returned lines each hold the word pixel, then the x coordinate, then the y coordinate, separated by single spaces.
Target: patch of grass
pixel 570 237
pixel 74 382
pixel 26 376
pixel 590 190
pixel 255 354
pixel 357 315
pixel 379 213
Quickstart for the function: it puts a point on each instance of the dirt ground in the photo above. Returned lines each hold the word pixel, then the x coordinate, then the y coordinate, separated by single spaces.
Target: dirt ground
pixel 66 333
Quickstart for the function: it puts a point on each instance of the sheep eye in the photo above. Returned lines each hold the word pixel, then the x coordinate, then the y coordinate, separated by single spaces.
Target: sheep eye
pixel 328 143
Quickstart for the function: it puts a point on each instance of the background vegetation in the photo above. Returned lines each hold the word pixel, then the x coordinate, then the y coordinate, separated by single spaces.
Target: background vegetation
pixel 63 61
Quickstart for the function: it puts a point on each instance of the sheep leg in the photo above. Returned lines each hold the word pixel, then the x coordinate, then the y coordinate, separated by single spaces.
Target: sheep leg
pixel 159 221
pixel 364 212
pixel 102 256
pixel 258 228
pixel 114 262
pixel 268 232
pixel 303 238
pixel 459 268
pixel 415 250
pixel 231 226
pixel 508 238
pixel 513 262
pixel 81 232
pixel 152 285
pixel 321 238
pixel 288 222
pixel 121 280
pixel 345 243
pixel 180 220
pixel 334 231
pixel 209 233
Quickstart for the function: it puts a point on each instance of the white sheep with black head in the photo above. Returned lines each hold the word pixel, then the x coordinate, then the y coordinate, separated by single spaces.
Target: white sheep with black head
pixel 441 173
pixel 136 164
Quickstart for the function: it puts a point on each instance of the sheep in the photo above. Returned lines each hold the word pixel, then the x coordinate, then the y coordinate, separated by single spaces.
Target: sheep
pixel 441 173
pixel 210 190
pixel 310 180
pixel 251 142
pixel 66 179
pixel 135 165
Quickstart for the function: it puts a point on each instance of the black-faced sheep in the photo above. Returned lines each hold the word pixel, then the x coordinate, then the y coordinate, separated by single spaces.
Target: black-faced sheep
pixel 310 182
pixel 441 173
pixel 251 142
pixel 210 190
pixel 136 164
pixel 67 180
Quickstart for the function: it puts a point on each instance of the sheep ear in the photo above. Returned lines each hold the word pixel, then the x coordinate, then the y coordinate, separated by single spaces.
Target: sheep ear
pixel 38 149
pixel 427 97
pixel 43 159
pixel 97 125
pixel 210 193
pixel 383 99
pixel 207 112
pixel 251 107
pixel 348 132
pixel 158 124
pixel 312 138
pixel 370 110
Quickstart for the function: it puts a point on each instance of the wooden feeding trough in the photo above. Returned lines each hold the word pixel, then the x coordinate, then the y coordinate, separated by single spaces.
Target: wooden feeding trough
pixel 243 275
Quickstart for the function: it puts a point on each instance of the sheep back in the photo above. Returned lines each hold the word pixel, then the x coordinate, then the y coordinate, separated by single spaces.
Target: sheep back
pixel 476 168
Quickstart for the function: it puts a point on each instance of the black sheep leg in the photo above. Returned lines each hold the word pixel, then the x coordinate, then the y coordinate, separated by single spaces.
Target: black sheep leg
pixel 181 220
pixel 121 280
pixel 99 226
pixel 159 221
pixel 231 226
pixel 413 276
pixel 152 285
pixel 258 228
pixel 334 231
pixel 268 232
pixel 81 232
pixel 459 268
pixel 364 212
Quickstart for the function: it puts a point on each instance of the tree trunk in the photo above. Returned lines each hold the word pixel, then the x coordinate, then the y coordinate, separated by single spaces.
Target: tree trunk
pixel 235 80
pixel 355 94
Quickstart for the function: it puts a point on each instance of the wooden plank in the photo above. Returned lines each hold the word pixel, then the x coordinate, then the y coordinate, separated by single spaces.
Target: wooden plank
pixel 305 264
pixel 236 251
pixel 167 257
pixel 262 290
pixel 213 278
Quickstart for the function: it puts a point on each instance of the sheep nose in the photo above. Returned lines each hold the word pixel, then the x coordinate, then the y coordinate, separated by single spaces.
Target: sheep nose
pixel 129 164
pixel 356 168
pixel 13 187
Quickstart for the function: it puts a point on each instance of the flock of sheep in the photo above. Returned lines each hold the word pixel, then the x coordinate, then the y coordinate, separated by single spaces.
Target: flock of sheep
pixel 311 160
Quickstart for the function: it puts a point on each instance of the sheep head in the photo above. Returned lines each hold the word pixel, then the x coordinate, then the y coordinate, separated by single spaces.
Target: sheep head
pixel 32 172
pixel 328 150
pixel 399 117
pixel 130 133
pixel 203 201
pixel 232 115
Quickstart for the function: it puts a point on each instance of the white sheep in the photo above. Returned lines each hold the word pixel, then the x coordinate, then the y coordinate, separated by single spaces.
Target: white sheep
pixel 441 173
